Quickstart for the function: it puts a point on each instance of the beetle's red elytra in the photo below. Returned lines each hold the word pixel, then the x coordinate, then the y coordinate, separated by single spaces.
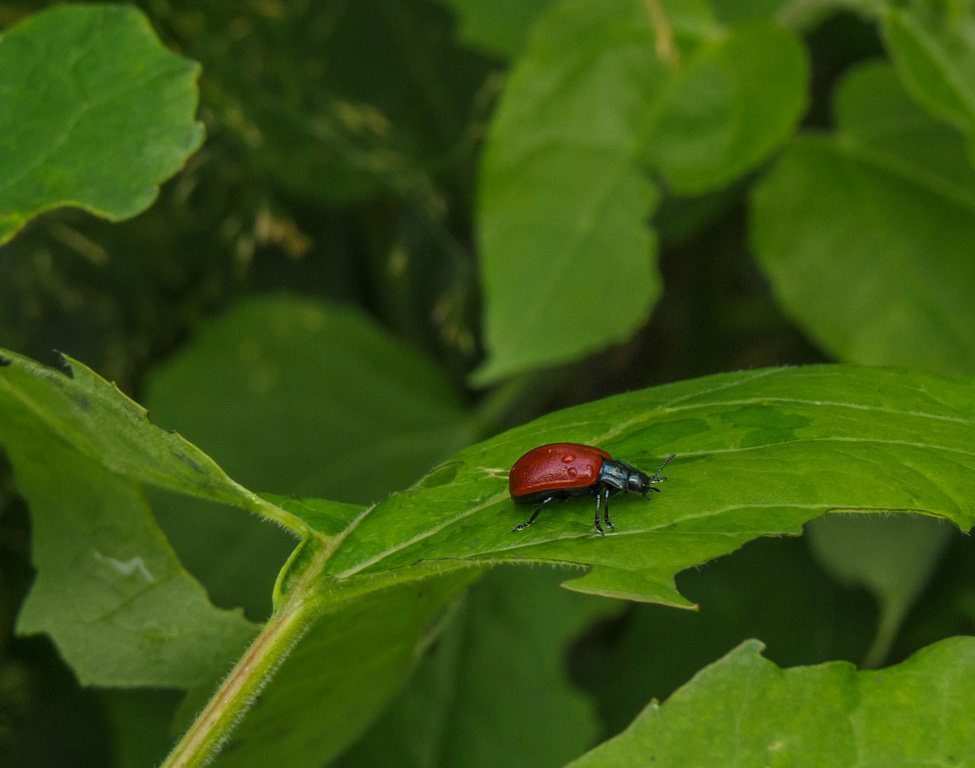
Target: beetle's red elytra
pixel 559 471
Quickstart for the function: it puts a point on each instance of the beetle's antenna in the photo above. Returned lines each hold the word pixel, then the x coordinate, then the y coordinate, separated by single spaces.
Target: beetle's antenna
pixel 656 475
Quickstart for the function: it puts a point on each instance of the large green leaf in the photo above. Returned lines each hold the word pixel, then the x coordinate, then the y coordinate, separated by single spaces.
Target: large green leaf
pixel 563 203
pixel 933 48
pixel 604 91
pixel 109 589
pixel 722 112
pixel 758 453
pixel 835 418
pixel 77 407
pixel 745 711
pixel 866 236
pixel 94 113
pixel 510 634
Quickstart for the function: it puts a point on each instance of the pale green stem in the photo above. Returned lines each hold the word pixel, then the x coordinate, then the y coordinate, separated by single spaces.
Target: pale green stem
pixel 273 512
pixel 886 634
pixel 201 743
pixel 663 35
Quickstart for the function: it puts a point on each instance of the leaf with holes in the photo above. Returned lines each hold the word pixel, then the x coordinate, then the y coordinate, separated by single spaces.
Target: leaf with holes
pixel 758 454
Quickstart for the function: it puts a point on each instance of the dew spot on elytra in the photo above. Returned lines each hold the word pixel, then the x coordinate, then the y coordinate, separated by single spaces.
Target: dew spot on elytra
pixel 568 458
pixel 572 472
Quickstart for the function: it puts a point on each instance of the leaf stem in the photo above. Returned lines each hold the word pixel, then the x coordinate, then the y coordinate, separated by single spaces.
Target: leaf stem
pixel 891 618
pixel 663 35
pixel 201 743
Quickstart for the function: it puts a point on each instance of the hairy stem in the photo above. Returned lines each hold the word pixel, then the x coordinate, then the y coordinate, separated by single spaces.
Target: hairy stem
pixel 201 743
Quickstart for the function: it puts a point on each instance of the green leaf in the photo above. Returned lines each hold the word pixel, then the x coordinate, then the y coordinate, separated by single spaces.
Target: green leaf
pixel 866 235
pixel 96 113
pixel 304 397
pixel 933 49
pixel 79 408
pixel 603 91
pixel 510 634
pixel 745 711
pixel 758 454
pixel 300 397
pixel 724 113
pixel 501 27
pixel 563 204
pixel 109 589
pixel 892 557
pixel 81 451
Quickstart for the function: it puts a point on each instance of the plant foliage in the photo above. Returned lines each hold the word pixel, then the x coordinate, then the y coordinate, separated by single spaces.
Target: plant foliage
pixel 421 239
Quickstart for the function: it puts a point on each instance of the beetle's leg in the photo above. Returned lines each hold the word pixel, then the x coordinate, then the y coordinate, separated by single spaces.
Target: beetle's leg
pixel 602 495
pixel 531 519
pixel 606 510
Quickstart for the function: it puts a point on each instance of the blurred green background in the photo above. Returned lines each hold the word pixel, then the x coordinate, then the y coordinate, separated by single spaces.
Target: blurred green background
pixel 304 302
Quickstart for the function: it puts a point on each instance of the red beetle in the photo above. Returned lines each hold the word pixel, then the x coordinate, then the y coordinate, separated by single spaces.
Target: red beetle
pixel 563 470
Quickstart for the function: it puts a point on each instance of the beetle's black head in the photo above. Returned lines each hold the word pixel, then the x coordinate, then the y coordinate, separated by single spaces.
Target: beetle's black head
pixel 640 482
pixel 620 476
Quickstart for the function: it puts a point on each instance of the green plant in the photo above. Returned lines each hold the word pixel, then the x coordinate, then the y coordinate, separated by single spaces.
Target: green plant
pixel 396 630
